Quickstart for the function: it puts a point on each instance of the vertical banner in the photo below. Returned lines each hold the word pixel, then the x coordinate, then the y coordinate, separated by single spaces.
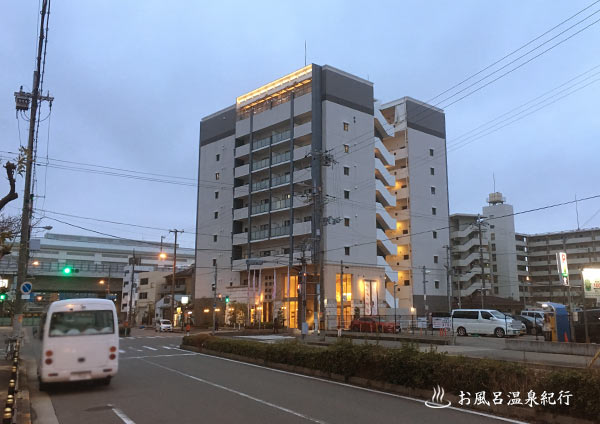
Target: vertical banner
pixel 374 298
pixel 274 293
pixel 563 270
pixel 367 286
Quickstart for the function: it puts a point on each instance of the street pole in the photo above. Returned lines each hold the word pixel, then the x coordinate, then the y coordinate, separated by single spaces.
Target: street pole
pixel 585 322
pixel 27 196
pixel 481 262
pixel 174 270
pixel 395 308
pixel 132 282
pixel 448 279
pixel 458 284
pixel 214 326
pixel 425 291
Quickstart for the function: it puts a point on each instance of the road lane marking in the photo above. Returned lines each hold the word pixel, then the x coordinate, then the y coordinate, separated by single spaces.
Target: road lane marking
pixel 467 411
pixel 121 351
pixel 242 394
pixel 160 356
pixel 167 347
pixel 121 415
pixel 150 348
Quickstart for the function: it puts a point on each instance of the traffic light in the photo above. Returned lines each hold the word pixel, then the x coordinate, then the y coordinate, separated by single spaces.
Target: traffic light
pixel 226 299
pixel 68 270
pixel 214 286
pixel 2 297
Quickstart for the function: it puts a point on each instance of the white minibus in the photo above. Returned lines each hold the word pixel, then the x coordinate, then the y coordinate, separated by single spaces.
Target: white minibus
pixel 484 321
pixel 80 341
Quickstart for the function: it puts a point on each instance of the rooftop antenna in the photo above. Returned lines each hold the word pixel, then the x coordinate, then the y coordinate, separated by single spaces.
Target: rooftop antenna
pixel 494 178
pixel 304 52
pixel 577 211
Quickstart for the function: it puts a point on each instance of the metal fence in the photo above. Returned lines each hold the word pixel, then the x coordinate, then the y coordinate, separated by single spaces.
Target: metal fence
pixel 399 324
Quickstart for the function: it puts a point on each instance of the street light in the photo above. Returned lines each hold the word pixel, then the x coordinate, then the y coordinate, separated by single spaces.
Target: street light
pixel 101 282
pixel 162 256
pixel 35 263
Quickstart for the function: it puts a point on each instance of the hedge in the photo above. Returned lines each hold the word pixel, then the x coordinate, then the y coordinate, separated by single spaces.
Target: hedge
pixel 409 367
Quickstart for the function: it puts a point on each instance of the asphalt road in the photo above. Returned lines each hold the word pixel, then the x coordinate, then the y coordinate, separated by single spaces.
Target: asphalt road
pixel 158 383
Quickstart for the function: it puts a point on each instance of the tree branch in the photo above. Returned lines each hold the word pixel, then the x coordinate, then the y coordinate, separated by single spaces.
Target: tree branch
pixel 12 194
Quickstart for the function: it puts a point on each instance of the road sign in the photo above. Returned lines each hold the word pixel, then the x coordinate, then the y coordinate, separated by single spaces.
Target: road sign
pixel 26 287
pixel 25 296
pixel 441 322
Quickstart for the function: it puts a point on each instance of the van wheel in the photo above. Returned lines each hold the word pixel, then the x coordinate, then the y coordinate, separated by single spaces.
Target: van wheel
pixel 105 381
pixel 461 331
pixel 499 332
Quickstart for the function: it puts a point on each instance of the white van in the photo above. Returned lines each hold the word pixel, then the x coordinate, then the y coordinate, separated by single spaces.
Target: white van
pixel 80 341
pixel 484 321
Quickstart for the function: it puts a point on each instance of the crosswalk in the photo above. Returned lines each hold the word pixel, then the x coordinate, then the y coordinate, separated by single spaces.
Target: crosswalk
pixel 167 348
pixel 152 337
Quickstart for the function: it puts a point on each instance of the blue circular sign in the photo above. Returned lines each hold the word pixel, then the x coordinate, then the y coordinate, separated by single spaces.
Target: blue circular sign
pixel 26 287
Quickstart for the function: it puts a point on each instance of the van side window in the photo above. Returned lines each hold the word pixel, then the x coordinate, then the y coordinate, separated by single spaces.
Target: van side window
pixel 486 315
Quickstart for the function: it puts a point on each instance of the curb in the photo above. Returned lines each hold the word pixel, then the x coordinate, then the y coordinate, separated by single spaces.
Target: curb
pixel 532 415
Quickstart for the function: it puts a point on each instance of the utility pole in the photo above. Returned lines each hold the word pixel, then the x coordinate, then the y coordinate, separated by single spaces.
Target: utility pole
pixel 479 221
pixel 303 290
pixel 214 326
pixel 458 285
pixel 22 100
pixel 174 270
pixel 132 261
pixel 425 291
pixel 448 278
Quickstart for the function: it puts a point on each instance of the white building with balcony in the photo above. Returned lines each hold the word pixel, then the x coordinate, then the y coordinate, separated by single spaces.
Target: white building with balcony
pixel 309 169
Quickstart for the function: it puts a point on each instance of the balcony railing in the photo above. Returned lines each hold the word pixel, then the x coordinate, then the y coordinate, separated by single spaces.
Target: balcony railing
pixel 261 185
pixel 259 164
pixel 260 234
pixel 283 157
pixel 280 231
pixel 281 179
pixel 281 204
pixel 262 208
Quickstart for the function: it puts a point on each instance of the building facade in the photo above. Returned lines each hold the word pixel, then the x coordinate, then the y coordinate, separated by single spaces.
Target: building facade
pixel 308 196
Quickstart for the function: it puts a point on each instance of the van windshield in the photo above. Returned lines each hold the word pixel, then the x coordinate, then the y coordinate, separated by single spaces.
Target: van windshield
pixel 497 314
pixel 81 323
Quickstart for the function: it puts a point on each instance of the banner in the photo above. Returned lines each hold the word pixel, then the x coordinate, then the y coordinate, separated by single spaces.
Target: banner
pixel 591 283
pixel 563 270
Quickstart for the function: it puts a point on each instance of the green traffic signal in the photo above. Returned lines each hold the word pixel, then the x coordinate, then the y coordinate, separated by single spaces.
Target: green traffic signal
pixel 67 270
pixel 226 299
pixel 2 297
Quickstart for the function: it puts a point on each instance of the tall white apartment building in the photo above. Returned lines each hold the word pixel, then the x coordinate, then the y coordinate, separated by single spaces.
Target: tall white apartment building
pixel 305 179
pixel 504 252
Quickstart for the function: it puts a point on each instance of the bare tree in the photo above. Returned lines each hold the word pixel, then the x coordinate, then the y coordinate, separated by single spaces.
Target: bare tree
pixel 9 225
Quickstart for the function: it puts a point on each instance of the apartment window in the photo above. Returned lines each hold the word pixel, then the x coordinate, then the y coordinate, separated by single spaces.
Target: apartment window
pixel 346 222
pixel 143 295
pixel 406 257
pixel 214 262
pixel 125 294
pixel 493 247
pixel 433 211
pixel 435 259
pixel 216 194
pixel 218 157
pixel 494 257
pixel 346 170
pixel 215 238
pixel 407 282
pixel 346 148
pixel 493 236
pixel 124 306
pixel 495 268
pixel 346 126
pixel 436 284
pixel 496 290
pixel 143 281
pixel 432 171
pixel 430 152
pixel 346 194
pixel 432 190
pixel 434 233
pixel 217 175
pixel 347 251
pixel 216 215
pixel 404 231
pixel 308 218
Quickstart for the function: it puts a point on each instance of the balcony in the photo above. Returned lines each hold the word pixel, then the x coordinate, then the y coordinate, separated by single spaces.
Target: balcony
pixel 240 191
pixel 240 239
pixel 280 180
pixel 302 228
pixel 259 235
pixel 383 153
pixel 385 197
pixel 258 209
pixel 274 260
pixel 260 185
pixel 302 130
pixel 402 193
pixel 385 244
pixel 241 213
pixel 302 175
pixel 384 218
pixel 383 174
pixel 280 231
pixel 240 171
pixel 402 153
pixel 389 272
pixel 242 151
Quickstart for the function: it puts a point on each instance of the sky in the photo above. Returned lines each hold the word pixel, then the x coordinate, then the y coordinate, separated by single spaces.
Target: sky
pixel 132 80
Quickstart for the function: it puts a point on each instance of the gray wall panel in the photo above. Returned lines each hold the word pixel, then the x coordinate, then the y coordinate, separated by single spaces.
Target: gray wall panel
pixel 424 119
pixel 347 91
pixel 217 126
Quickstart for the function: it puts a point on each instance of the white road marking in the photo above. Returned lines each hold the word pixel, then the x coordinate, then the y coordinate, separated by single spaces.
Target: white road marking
pixel 121 415
pixel 466 411
pixel 161 356
pixel 130 338
pixel 167 347
pixel 242 394
pixel 121 351
pixel 150 348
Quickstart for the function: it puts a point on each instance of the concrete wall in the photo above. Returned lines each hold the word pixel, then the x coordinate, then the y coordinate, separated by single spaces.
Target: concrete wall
pixel 583 349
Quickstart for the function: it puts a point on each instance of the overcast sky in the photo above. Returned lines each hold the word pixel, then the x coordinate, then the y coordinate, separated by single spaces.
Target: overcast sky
pixel 132 79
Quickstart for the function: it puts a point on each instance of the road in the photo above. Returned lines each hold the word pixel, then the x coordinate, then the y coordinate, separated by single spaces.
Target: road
pixel 159 383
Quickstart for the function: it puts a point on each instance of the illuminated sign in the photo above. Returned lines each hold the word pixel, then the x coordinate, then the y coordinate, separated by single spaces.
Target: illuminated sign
pixel 563 270
pixel 591 282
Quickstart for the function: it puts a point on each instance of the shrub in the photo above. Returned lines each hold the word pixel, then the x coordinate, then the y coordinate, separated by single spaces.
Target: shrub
pixel 409 367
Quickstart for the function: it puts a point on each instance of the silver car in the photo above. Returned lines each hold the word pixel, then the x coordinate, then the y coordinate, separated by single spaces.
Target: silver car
pixel 163 325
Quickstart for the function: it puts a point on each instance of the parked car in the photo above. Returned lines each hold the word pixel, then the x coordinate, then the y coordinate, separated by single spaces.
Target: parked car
pixel 372 325
pixel 163 325
pixel 524 323
pixel 484 321
pixel 530 325
pixel 536 317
